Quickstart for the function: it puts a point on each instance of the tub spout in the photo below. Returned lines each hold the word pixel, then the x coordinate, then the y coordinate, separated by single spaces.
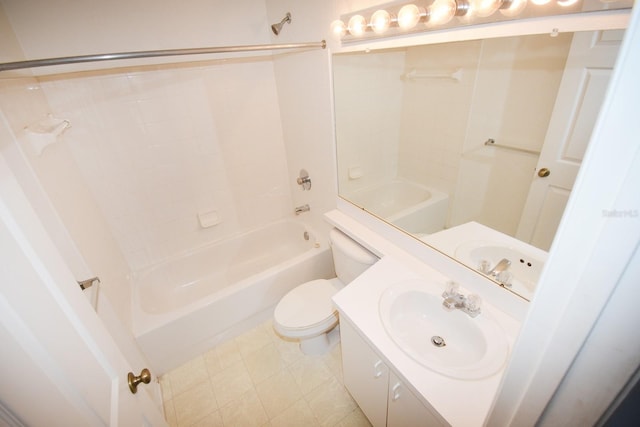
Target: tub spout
pixel 303 208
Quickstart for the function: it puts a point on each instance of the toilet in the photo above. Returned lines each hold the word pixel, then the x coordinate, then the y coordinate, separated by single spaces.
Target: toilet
pixel 307 313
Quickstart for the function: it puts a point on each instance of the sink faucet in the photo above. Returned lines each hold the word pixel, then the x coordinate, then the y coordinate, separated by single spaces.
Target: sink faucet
pixel 453 300
pixel 501 266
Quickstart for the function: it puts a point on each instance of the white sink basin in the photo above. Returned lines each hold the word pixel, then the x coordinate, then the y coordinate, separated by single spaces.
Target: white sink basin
pixel 525 268
pixel 415 319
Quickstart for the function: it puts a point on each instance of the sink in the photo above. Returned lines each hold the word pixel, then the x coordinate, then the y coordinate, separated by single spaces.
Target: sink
pixel 525 267
pixel 448 342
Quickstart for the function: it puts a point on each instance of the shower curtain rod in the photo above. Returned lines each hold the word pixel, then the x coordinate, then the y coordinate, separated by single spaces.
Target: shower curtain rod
pixel 154 53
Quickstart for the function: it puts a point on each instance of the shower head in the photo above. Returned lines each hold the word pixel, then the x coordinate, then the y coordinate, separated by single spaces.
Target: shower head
pixel 277 27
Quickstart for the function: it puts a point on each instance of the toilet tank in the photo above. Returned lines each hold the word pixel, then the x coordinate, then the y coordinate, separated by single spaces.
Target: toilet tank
pixel 349 258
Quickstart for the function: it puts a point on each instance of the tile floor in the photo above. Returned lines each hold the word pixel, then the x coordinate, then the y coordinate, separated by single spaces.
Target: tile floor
pixel 258 379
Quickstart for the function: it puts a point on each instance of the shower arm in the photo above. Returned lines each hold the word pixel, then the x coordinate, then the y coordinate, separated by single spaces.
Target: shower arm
pixel 155 53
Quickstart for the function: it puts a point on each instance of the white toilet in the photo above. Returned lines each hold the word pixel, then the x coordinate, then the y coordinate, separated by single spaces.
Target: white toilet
pixel 307 313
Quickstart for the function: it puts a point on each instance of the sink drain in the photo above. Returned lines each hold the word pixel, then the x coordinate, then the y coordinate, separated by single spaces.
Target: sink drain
pixel 438 341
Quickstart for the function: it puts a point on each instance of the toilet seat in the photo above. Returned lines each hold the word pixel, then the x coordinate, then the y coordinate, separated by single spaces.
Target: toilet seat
pixel 307 310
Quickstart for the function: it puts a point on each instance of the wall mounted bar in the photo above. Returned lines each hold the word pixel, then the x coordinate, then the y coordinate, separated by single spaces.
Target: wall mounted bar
pixel 492 143
pixel 155 53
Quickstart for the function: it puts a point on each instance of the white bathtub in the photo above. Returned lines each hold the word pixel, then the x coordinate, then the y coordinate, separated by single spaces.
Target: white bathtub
pixel 407 205
pixel 189 304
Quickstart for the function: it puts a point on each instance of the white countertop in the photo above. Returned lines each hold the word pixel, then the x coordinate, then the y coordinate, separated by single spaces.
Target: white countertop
pixel 460 402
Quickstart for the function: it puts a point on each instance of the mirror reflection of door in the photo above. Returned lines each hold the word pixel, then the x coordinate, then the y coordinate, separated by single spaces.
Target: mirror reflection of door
pixel 582 89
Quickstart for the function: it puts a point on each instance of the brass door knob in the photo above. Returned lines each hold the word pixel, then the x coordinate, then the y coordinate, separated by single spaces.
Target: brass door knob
pixel 544 172
pixel 144 377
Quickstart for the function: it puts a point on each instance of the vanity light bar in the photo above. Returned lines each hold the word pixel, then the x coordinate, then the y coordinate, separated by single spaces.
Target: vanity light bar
pixel 399 18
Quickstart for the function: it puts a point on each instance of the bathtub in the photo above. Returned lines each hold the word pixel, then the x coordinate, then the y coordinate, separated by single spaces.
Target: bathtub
pixel 405 204
pixel 186 305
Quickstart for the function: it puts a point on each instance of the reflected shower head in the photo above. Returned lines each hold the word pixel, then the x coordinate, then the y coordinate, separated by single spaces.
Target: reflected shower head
pixel 277 27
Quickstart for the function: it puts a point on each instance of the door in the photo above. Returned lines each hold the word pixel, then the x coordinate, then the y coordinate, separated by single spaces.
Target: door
pixel 405 409
pixel 365 375
pixel 582 89
pixel 59 365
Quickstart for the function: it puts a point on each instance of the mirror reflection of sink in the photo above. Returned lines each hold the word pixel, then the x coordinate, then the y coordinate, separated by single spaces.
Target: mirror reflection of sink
pixel 525 268
pixel 448 342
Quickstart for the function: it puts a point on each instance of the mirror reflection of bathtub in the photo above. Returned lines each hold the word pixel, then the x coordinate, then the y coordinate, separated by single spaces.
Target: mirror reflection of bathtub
pixel 408 205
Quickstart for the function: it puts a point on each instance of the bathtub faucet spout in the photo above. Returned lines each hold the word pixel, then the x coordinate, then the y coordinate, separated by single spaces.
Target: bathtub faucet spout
pixel 303 208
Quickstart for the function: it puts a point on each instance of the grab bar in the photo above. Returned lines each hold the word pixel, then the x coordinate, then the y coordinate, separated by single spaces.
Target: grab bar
pixel 154 53
pixel 491 142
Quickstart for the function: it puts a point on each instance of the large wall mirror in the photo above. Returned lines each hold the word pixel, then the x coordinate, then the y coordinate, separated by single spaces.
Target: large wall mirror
pixel 472 146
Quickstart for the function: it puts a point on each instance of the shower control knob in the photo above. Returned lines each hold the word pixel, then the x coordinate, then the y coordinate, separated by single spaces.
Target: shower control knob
pixel 144 377
pixel 544 172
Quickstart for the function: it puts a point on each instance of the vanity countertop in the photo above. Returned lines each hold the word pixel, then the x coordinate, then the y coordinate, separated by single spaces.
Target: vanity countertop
pixel 459 402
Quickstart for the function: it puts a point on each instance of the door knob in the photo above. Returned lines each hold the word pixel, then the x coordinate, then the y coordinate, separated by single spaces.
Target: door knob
pixel 544 172
pixel 144 377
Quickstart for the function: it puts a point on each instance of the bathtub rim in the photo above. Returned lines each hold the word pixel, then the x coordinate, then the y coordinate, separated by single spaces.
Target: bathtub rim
pixel 144 322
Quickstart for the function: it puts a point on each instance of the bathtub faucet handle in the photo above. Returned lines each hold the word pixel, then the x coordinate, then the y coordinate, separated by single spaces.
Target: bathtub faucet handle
pixel 303 180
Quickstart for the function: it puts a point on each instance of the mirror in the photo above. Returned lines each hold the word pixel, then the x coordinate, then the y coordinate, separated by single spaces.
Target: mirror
pixel 473 146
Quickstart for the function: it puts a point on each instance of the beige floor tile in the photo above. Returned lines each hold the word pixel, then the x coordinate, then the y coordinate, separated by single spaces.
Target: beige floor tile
pixel 289 350
pixel 194 403
pixel 330 402
pixel 186 376
pixel 268 328
pixel 309 372
pixel 264 363
pixel 231 383
pixel 228 353
pixel 252 340
pixel 354 419
pixel 214 419
pixel 298 415
pixel 278 393
pixel 246 411
pixel 212 362
pixel 333 360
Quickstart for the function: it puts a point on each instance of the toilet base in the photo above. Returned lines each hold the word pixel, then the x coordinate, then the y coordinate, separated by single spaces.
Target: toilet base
pixel 320 344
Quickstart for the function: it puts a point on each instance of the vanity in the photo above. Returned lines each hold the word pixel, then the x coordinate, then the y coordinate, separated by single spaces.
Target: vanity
pixel 396 383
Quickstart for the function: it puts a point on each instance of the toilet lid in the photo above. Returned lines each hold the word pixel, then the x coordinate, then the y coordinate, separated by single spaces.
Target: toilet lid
pixel 306 305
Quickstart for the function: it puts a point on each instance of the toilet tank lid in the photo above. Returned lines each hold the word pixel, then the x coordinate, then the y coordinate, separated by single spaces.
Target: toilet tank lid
pixel 351 248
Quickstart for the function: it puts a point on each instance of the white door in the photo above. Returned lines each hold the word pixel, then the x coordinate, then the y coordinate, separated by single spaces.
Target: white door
pixel 582 89
pixel 58 364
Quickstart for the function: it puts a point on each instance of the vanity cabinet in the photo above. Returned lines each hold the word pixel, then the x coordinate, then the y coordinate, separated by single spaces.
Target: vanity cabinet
pixel 378 390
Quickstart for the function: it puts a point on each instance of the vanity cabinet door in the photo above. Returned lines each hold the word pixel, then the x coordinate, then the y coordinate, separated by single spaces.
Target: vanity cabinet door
pixel 365 375
pixel 405 409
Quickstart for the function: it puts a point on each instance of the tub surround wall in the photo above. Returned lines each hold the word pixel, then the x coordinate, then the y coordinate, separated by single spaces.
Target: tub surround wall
pixel 368 101
pixel 158 147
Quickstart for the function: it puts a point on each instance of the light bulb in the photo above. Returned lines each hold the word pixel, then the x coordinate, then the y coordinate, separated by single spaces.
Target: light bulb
pixel 441 12
pixel 338 29
pixel 380 21
pixel 357 25
pixel 540 2
pixel 567 3
pixel 514 8
pixel 484 8
pixel 409 16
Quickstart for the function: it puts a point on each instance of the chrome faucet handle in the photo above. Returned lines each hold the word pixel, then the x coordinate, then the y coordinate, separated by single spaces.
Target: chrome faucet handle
pixel 472 307
pixel 453 289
